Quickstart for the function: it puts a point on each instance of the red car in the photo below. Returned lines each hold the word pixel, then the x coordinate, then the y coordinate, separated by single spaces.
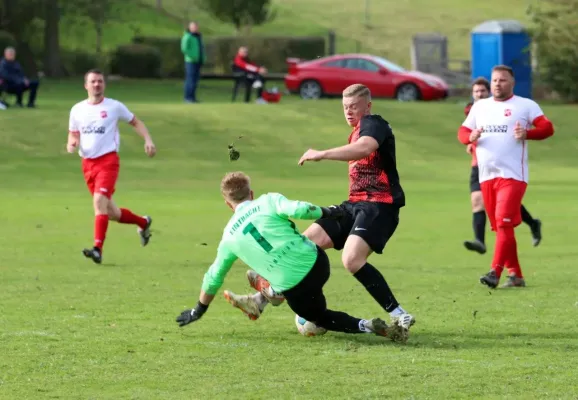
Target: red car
pixel 328 76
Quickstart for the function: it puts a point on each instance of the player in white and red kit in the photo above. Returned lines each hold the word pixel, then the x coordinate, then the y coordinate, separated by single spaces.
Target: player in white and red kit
pixel 93 130
pixel 500 128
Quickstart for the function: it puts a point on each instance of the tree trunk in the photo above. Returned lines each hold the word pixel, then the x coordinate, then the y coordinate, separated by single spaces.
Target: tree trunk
pixel 52 61
pixel 98 29
pixel 159 4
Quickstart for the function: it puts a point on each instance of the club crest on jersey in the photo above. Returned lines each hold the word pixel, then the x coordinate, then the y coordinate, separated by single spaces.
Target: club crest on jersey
pixel 507 112
pixel 103 114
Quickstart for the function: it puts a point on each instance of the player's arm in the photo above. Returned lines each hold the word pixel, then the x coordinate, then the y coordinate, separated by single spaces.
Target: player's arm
pixel 543 128
pixel 371 135
pixel 212 282
pixel 73 134
pixel 140 128
pixel 468 134
pixel 300 209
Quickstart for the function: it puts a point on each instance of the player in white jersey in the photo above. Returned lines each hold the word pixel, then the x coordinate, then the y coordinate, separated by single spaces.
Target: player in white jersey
pixel 500 128
pixel 93 130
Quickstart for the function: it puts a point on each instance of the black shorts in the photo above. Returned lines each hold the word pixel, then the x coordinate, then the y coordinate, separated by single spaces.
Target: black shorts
pixel 373 222
pixel 306 299
pixel 475 180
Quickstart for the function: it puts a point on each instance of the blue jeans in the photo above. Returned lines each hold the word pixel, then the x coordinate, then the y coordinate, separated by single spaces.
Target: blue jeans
pixel 192 75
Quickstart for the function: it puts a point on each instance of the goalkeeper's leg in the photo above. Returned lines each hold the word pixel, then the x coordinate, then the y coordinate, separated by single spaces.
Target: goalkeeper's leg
pixel 261 285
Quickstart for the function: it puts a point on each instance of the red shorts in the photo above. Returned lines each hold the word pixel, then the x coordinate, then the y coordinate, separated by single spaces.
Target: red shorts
pixel 100 174
pixel 503 201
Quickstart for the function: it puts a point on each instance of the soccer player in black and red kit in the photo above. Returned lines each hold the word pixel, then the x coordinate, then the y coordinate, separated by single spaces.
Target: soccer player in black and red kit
pixel 371 214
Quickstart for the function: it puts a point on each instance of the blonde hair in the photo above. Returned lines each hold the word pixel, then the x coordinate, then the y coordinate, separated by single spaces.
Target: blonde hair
pixel 236 186
pixel 357 90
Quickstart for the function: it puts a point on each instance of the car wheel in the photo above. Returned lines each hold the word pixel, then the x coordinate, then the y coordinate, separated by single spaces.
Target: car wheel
pixel 310 90
pixel 407 92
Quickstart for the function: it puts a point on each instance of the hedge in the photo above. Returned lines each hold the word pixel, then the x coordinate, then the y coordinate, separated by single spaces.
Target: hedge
pixel 136 61
pixel 270 51
pixel 77 62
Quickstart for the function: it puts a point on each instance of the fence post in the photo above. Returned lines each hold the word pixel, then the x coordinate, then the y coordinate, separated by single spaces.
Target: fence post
pixel 331 44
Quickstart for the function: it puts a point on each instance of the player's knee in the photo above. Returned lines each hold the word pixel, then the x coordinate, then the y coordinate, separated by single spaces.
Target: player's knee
pixel 100 203
pixel 317 235
pixel 353 261
pixel 113 212
pixel 477 201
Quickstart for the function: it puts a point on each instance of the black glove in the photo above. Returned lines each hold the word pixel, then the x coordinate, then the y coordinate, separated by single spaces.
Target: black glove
pixel 191 315
pixel 331 212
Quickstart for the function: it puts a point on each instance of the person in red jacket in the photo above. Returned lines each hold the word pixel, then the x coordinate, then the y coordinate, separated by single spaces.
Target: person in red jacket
pixel 501 126
pixel 249 74
pixel 481 90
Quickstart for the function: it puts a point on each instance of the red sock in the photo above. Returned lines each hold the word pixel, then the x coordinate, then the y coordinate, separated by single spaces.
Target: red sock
pixel 500 252
pixel 100 227
pixel 512 262
pixel 127 217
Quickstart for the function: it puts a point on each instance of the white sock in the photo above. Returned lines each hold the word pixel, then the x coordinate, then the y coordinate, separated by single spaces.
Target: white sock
pixel 260 300
pixel 397 312
pixel 363 327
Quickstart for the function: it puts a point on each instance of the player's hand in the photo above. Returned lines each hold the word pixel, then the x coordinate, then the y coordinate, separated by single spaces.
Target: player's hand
pixel 332 212
pixel 150 148
pixel 470 148
pixel 311 155
pixel 192 315
pixel 519 132
pixel 71 146
pixel 475 135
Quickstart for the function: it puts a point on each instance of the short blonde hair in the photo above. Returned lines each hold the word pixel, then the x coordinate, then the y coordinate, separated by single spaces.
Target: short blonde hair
pixel 357 90
pixel 236 186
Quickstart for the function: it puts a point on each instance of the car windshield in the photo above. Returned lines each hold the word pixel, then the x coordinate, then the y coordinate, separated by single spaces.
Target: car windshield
pixel 388 64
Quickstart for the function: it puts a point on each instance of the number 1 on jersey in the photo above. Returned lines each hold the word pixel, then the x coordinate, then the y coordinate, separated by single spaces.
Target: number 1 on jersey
pixel 251 230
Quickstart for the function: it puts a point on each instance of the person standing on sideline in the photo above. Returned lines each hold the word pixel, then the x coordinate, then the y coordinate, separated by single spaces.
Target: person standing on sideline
pixel 193 50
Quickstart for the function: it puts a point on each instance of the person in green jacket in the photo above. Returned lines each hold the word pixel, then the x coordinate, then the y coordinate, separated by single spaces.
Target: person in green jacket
pixel 194 52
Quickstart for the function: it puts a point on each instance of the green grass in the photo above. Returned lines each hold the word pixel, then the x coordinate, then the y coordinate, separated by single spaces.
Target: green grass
pixel 72 329
pixel 392 23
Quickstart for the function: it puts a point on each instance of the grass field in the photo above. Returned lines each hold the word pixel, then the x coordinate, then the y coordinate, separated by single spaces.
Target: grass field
pixel 73 329
pixel 392 23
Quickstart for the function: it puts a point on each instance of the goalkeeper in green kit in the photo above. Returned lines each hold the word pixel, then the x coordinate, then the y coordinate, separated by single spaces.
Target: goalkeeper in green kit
pixel 261 234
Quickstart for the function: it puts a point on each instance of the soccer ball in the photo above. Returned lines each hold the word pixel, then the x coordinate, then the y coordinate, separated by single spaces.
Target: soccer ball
pixel 307 328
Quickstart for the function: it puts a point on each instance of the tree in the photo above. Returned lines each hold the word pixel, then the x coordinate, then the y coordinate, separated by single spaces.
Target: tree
pixel 242 14
pixel 555 35
pixel 98 11
pixel 52 61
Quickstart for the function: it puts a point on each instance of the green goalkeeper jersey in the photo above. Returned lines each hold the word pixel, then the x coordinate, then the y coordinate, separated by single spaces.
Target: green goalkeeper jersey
pixel 261 235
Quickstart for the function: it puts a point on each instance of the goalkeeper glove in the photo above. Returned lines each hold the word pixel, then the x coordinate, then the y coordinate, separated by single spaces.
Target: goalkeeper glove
pixel 331 212
pixel 192 315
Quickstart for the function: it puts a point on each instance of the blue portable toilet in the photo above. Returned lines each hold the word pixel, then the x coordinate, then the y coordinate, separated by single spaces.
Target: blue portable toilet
pixel 503 42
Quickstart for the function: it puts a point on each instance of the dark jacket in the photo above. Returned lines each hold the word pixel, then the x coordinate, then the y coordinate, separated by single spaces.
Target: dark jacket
pixel 11 72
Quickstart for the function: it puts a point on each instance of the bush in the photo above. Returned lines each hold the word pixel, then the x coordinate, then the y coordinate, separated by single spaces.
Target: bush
pixel 172 60
pixel 136 61
pixel 271 52
pixel 77 62
pixel 555 34
pixel 220 51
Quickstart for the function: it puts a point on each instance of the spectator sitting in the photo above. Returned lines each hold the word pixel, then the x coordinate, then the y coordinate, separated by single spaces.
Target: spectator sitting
pixel 249 74
pixel 13 80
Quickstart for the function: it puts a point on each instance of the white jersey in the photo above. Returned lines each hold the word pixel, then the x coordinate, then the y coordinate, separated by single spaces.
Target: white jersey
pixel 97 125
pixel 499 153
